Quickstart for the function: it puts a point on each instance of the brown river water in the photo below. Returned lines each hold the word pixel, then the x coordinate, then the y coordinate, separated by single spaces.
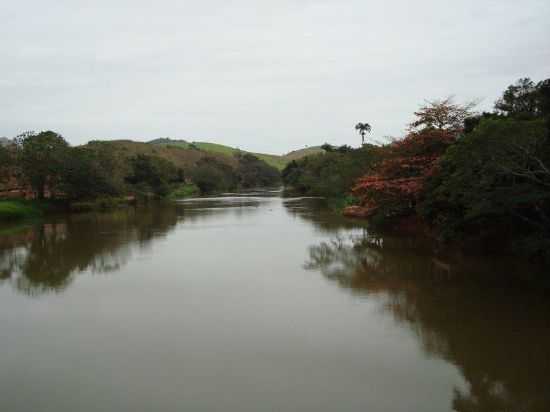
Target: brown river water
pixel 259 302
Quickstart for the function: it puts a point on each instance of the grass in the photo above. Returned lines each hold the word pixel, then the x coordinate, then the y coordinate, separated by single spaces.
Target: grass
pixel 277 161
pixel 338 204
pixel 18 209
pixel 184 190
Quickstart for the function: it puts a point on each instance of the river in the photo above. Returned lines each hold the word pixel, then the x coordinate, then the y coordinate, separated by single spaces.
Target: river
pixel 259 302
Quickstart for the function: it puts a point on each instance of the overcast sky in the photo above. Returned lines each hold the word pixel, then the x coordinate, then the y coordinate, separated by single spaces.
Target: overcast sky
pixel 266 76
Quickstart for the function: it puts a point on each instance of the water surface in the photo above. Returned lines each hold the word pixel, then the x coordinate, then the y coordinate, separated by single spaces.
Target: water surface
pixel 258 302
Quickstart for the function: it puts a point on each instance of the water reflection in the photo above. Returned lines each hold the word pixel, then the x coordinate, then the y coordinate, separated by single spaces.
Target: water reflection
pixel 315 211
pixel 498 336
pixel 236 263
pixel 46 257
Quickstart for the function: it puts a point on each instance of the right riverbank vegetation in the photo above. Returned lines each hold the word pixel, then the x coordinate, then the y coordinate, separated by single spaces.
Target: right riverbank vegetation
pixel 480 180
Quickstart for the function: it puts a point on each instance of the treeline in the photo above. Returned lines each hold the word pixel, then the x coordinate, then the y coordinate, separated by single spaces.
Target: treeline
pixel 50 168
pixel 478 179
pixel 211 175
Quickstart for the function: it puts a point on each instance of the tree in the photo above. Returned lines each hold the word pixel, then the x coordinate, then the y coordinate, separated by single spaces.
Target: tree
pixel 494 180
pixel 253 172
pixel 519 99
pixel 41 158
pixel 211 175
pixel 330 174
pixel 442 115
pixel 395 184
pixel 543 99
pixel 152 173
pixel 89 173
pixel 6 162
pixel 363 129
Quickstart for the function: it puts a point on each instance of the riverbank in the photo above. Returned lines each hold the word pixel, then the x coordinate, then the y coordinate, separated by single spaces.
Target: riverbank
pixel 20 209
pixel 23 209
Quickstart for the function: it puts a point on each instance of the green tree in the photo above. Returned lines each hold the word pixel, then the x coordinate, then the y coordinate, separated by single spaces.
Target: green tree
pixel 519 99
pixel 492 180
pixel 88 174
pixel 253 172
pixel 41 158
pixel 6 162
pixel 210 175
pixel 331 174
pixel 152 173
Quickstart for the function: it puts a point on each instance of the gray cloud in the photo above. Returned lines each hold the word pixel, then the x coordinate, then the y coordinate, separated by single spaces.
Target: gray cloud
pixel 267 76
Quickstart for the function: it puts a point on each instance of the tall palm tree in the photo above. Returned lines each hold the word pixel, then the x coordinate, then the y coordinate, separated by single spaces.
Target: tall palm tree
pixel 363 129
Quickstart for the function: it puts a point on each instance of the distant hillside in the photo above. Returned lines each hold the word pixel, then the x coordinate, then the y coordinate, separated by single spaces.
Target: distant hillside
pixel 183 157
pixel 278 161
pixel 167 140
pixel 298 154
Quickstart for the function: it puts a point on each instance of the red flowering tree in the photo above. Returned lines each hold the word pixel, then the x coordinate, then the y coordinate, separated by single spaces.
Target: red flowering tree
pixel 398 180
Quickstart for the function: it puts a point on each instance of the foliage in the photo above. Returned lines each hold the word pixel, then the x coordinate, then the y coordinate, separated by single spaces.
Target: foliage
pixel 393 186
pixel 495 177
pixel 276 161
pixel 363 129
pixel 184 190
pixel 525 100
pixel 6 162
pixel 494 183
pixel 253 172
pixel 17 209
pixel 101 170
pixel 152 174
pixel 485 176
pixel 331 174
pixel 340 149
pixel 212 176
pixel 88 174
pixel 442 114
pixel 41 159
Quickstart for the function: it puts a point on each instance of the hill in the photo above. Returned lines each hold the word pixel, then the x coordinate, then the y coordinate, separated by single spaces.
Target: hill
pixel 181 156
pixel 277 161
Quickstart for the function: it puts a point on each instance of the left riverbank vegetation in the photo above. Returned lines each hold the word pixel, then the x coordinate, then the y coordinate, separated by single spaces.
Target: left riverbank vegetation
pixel 476 179
pixel 41 171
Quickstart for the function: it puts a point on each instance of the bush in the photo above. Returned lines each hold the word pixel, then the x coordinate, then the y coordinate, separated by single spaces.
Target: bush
pixel 184 190
pixel 152 174
pixel 212 176
pixel 6 162
pixel 253 172
pixel 17 209
pixel 330 174
pixel 40 158
pixel 492 180
pixel 88 174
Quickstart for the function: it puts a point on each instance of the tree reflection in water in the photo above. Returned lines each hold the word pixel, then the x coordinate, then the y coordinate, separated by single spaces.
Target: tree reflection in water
pixel 497 334
pixel 46 257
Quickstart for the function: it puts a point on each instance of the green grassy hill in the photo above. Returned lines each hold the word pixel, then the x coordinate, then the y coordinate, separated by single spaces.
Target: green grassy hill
pixel 180 155
pixel 277 161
